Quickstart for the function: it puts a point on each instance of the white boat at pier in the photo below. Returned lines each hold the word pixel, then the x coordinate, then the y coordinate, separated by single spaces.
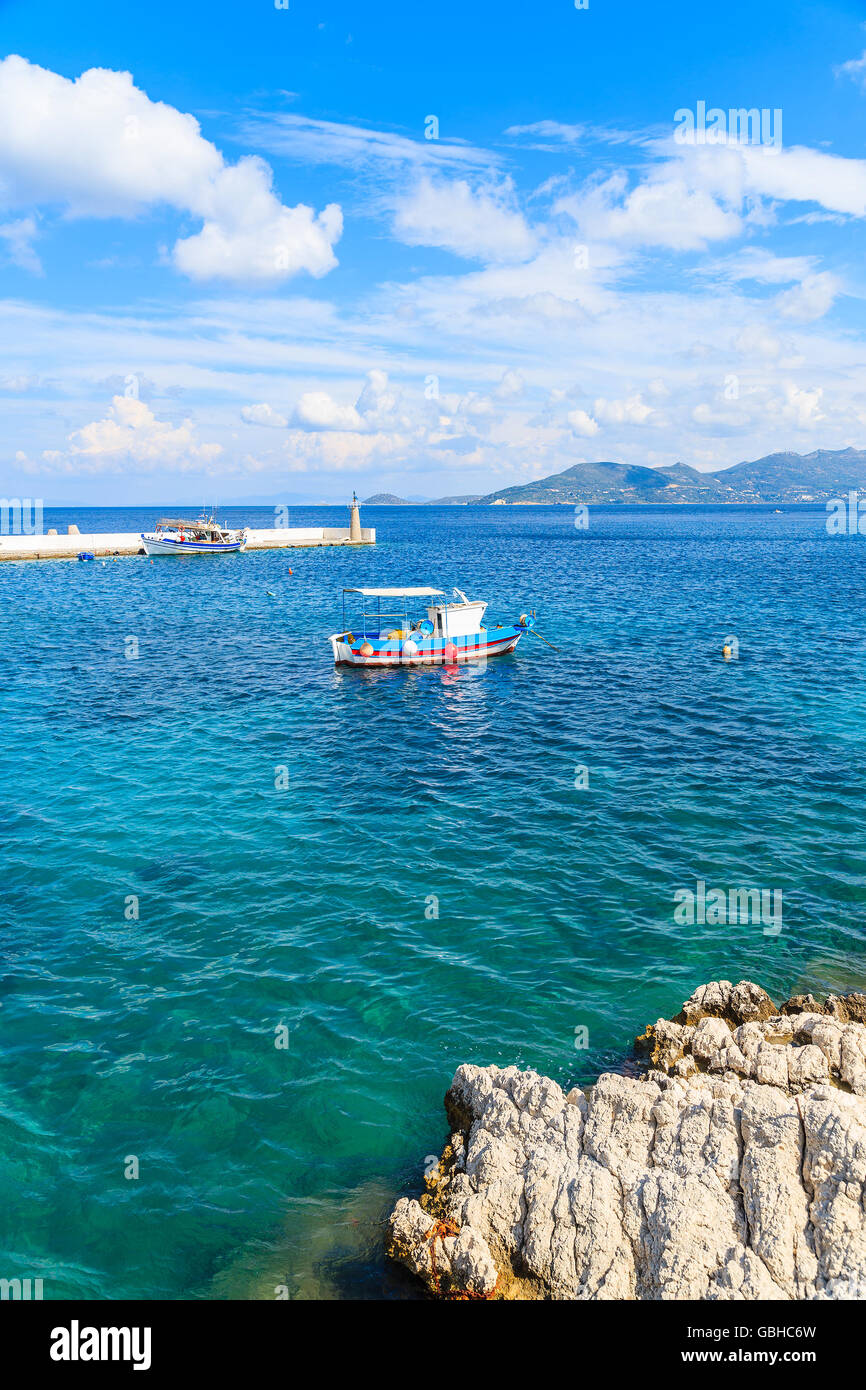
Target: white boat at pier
pixel 174 536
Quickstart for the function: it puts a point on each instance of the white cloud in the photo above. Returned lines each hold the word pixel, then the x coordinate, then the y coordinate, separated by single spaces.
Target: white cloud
pixel 735 172
pixel 511 386
pixel 798 406
pixel 99 147
pixel 756 340
pixel 317 410
pixel 582 423
pixel 251 236
pixel 311 141
pixel 632 411
pixel 761 265
pixel 854 68
pixel 658 387
pixel 375 409
pixel 18 385
pixel 727 417
pixel 807 176
pixel 18 238
pixel 809 300
pixel 660 212
pixel 130 438
pixel 791 407
pixel 263 415
pixel 559 134
pixel 549 130
pixel 698 194
pixel 482 224
pixel 341 451
pixel 572 333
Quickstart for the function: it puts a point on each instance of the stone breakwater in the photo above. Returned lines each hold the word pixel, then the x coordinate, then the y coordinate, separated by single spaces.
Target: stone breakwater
pixel 733 1167
pixel 51 546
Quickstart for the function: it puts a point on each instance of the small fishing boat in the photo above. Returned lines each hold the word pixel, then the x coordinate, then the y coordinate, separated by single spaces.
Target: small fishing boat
pixel 449 631
pixel 174 536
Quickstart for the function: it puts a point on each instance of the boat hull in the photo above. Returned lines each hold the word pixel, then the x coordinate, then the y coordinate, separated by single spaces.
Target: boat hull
pixel 430 651
pixel 165 546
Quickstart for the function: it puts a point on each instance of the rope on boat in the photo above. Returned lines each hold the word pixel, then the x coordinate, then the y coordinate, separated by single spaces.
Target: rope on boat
pixel 544 639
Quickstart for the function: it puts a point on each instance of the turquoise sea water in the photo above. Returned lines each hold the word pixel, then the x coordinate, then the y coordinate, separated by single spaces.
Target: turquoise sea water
pixel 311 907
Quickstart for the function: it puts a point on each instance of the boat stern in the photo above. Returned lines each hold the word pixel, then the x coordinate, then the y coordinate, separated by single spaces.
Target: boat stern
pixel 341 649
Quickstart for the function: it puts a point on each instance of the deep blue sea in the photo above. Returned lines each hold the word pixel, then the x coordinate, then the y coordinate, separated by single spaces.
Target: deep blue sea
pixel 299 906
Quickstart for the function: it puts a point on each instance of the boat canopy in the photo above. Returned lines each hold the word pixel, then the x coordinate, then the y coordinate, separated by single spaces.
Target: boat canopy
pixel 397 593
pixel 190 525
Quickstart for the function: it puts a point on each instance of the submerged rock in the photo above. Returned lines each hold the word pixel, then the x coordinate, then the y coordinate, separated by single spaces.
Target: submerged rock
pixel 735 1168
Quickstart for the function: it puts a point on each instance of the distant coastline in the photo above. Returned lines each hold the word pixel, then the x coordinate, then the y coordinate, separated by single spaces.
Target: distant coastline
pixel 818 477
pixel 814 503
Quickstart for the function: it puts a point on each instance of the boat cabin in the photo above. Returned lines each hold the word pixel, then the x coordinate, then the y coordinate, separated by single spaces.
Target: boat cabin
pixel 458 618
pixel 201 530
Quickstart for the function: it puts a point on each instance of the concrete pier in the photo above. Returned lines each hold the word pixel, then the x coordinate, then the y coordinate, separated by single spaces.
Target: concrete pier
pixel 53 547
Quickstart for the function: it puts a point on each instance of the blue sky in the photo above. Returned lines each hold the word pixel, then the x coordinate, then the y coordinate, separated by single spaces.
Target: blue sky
pixel 234 265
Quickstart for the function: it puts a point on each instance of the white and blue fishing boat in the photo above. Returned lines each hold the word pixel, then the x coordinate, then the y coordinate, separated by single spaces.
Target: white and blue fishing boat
pixel 174 536
pixel 444 633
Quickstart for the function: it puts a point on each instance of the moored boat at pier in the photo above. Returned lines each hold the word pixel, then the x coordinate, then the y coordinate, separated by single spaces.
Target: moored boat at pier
pixel 174 536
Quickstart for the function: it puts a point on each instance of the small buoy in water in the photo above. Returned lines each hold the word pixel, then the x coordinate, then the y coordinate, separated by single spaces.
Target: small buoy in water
pixel 727 652
pixel 291 571
pixel 270 595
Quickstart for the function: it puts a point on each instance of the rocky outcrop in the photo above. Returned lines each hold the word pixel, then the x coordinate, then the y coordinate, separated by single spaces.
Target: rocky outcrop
pixel 734 1168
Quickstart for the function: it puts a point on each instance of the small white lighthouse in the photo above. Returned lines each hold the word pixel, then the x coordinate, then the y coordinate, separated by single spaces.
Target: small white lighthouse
pixel 355 519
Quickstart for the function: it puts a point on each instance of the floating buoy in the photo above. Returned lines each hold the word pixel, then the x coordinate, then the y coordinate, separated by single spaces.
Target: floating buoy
pixel 86 555
pixel 410 647
pixel 450 653
pixel 269 594
pixel 365 649
pixel 727 652
pixel 291 571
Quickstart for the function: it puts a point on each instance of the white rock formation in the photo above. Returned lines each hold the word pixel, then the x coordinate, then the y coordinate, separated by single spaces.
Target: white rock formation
pixel 734 1169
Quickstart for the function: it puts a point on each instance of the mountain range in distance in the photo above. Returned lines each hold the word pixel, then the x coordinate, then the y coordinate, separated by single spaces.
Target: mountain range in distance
pixel 389 499
pixel 783 477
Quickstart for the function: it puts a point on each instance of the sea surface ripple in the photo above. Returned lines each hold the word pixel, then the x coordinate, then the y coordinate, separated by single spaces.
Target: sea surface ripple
pixel 433 885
